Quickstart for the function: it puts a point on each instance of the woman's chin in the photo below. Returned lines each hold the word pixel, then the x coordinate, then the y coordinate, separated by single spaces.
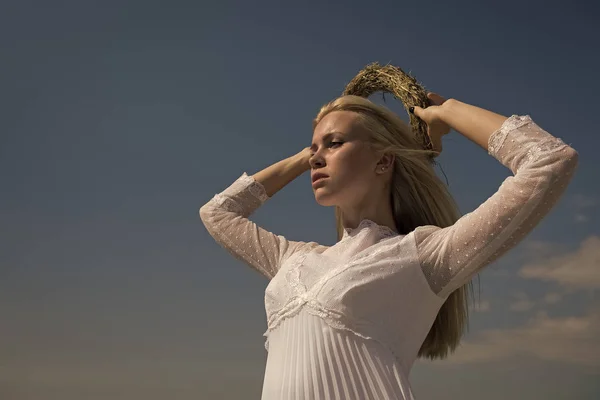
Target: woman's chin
pixel 322 198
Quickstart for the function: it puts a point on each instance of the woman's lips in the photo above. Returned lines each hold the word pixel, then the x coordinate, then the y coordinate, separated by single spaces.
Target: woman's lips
pixel 320 180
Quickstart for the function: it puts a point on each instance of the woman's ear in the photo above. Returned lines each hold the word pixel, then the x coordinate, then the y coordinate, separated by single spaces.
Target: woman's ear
pixel 386 162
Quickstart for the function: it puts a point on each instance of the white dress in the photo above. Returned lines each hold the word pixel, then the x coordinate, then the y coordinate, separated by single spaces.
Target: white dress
pixel 347 321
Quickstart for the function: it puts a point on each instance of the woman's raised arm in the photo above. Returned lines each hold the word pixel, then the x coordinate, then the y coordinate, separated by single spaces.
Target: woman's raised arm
pixel 542 166
pixel 225 217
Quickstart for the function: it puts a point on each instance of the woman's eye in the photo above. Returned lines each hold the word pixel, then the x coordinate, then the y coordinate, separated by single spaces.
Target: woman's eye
pixel 331 144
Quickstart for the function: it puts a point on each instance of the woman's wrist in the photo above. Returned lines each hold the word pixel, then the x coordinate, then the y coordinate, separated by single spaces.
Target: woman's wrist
pixel 475 123
pixel 303 158
pixel 278 175
pixel 446 110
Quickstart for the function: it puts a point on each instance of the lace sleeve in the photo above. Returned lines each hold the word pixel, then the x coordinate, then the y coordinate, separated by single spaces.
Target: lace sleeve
pixel 225 217
pixel 542 166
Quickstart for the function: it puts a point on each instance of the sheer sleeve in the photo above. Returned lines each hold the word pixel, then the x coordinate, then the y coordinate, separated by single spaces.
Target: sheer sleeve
pixel 542 166
pixel 225 217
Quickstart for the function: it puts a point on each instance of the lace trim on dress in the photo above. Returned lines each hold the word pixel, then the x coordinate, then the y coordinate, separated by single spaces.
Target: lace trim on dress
pixel 383 231
pixel 332 319
pixel 497 138
pixel 255 187
pixel 545 147
pixel 228 204
pixel 294 275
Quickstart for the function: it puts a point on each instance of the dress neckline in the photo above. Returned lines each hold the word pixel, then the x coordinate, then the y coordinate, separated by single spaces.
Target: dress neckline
pixel 367 223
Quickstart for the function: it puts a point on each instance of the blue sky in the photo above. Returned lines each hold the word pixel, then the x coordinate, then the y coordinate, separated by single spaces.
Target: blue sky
pixel 119 120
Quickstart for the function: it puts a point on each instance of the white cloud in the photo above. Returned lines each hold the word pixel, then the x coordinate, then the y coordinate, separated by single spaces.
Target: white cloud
pixel 581 201
pixel 500 273
pixel 538 249
pixel 571 340
pixel 552 298
pixel 481 306
pixel 577 270
pixel 522 303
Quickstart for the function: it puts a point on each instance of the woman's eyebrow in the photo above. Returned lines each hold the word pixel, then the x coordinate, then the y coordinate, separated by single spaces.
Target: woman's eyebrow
pixel 325 136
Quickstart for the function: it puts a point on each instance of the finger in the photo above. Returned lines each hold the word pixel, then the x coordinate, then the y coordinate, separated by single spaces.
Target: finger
pixel 436 98
pixel 418 111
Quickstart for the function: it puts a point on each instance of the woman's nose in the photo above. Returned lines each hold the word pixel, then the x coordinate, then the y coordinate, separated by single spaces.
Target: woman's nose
pixel 316 161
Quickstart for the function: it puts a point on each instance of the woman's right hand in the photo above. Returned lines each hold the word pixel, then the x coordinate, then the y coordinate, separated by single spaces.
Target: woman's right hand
pixel 304 155
pixel 432 116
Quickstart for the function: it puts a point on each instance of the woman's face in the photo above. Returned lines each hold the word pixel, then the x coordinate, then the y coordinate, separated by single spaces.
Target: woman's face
pixel 341 151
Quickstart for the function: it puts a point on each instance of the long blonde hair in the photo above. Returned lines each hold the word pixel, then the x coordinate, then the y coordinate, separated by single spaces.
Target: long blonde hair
pixel 418 198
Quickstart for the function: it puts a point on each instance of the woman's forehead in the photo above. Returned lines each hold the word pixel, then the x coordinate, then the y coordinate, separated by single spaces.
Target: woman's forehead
pixel 341 122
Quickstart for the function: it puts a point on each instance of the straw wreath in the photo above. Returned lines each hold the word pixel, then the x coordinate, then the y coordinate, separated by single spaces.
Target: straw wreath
pixel 404 87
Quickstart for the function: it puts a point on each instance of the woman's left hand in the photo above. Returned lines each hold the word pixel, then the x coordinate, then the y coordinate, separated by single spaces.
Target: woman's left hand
pixel 432 115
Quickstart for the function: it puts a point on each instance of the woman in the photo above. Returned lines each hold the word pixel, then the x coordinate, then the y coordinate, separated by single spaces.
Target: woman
pixel 349 320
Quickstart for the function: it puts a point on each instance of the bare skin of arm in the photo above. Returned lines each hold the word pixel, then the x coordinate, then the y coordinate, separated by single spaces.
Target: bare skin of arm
pixel 276 176
pixel 475 123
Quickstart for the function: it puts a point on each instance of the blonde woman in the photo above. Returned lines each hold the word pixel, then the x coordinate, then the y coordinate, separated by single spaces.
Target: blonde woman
pixel 348 321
